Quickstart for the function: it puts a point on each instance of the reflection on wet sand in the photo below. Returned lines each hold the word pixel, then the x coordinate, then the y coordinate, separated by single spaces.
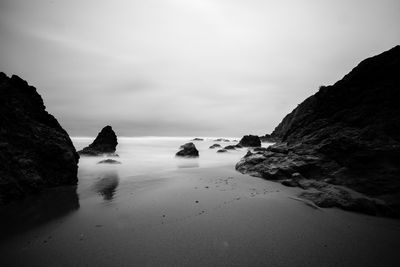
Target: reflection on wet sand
pixel 187 164
pixel 36 210
pixel 107 184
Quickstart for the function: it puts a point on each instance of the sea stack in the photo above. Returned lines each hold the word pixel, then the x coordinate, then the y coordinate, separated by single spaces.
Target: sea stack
pixel 346 134
pixel 105 143
pixel 35 151
pixel 250 141
pixel 188 150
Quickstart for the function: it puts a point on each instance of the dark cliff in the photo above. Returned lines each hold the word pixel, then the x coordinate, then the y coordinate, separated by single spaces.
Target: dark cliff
pixel 346 134
pixel 35 151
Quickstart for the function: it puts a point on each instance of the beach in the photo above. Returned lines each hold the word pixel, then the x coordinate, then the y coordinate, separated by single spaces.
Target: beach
pixel 155 209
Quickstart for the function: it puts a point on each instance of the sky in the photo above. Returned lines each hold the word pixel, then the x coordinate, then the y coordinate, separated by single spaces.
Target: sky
pixel 187 67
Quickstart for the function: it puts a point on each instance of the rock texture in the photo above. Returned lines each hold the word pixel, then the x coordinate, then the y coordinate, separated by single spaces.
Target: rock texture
pixel 347 134
pixel 250 141
pixel 35 151
pixel 188 150
pixel 105 143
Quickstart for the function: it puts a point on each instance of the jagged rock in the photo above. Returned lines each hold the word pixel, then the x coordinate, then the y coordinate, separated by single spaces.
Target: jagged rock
pixel 238 146
pixel 35 151
pixel 198 139
pixel 105 143
pixel 250 141
pixel 347 134
pixel 109 161
pixel 222 151
pixel 215 146
pixel 260 149
pixel 230 147
pixel 188 150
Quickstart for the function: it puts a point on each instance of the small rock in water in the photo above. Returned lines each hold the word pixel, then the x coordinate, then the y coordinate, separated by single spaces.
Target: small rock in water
pixel 222 150
pixel 109 161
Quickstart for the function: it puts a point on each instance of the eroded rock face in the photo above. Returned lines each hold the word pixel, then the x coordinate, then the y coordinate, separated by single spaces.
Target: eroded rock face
pixel 105 143
pixel 188 150
pixel 347 134
pixel 35 151
pixel 250 141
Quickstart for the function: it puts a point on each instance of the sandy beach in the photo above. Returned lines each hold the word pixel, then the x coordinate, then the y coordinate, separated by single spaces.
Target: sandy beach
pixel 194 214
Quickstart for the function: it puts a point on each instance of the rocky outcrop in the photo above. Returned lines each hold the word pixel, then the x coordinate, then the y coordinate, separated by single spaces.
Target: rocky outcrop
pixel 230 147
pixel 105 143
pixel 347 134
pixel 250 141
pixel 35 151
pixel 109 161
pixel 188 150
pixel 222 150
pixel 215 146
pixel 198 139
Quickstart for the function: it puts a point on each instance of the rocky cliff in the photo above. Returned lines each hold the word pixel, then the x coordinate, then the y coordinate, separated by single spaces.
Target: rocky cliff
pixel 35 151
pixel 347 134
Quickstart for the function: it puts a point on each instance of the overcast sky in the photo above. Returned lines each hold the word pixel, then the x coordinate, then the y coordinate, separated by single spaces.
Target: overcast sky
pixel 187 67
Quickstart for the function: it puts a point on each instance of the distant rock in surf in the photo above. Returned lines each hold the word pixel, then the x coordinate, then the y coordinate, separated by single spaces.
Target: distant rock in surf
pixel 35 151
pixel 109 161
pixel 250 141
pixel 230 147
pixel 188 150
pixel 198 139
pixel 222 151
pixel 105 143
pixel 215 146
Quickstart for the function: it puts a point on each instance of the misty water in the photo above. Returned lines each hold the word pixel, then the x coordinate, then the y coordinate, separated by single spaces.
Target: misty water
pixel 156 209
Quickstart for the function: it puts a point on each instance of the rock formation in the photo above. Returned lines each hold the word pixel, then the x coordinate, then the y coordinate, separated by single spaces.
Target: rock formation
pixel 250 141
pixel 109 161
pixel 188 150
pixel 230 147
pixel 105 143
pixel 198 139
pixel 222 150
pixel 215 146
pixel 35 151
pixel 347 134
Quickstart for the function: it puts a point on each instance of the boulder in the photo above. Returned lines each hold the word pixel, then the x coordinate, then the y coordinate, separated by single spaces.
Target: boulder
pixel 198 139
pixel 105 143
pixel 250 141
pixel 188 150
pixel 222 151
pixel 230 147
pixel 215 146
pixel 35 151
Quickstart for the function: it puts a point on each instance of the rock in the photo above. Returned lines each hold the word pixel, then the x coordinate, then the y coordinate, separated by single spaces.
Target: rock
pixel 230 147
pixel 218 140
pixel 238 146
pixel 347 134
pixel 35 151
pixel 105 143
pixel 188 150
pixel 268 138
pixel 290 183
pixel 222 151
pixel 250 141
pixel 260 149
pixel 215 146
pixel 226 140
pixel 198 139
pixel 109 161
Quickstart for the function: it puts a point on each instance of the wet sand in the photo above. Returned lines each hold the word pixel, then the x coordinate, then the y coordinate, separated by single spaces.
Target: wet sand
pixel 188 216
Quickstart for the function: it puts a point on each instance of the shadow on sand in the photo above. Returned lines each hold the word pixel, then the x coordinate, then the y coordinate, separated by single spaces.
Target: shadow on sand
pixel 37 209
